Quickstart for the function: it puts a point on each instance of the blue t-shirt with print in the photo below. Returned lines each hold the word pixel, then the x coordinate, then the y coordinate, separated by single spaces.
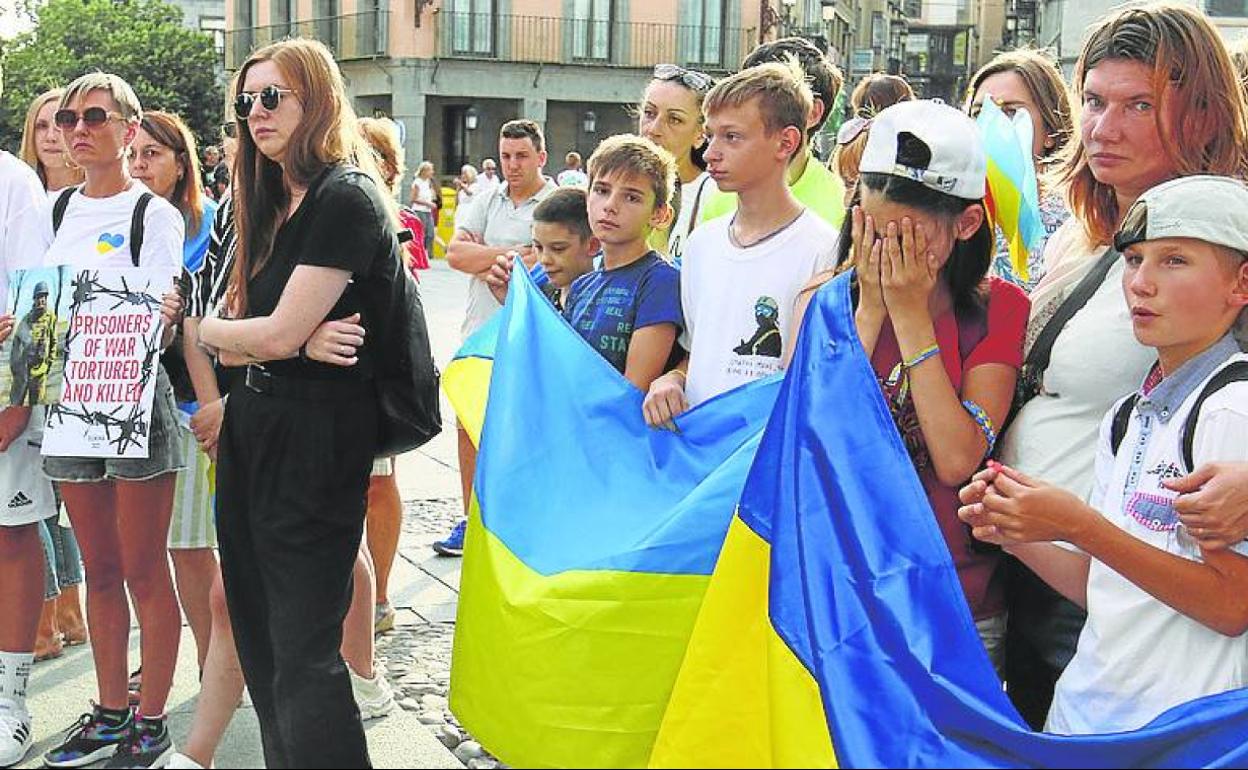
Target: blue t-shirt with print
pixel 607 306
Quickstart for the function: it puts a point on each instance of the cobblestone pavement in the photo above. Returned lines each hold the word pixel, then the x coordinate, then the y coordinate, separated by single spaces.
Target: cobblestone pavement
pixel 417 654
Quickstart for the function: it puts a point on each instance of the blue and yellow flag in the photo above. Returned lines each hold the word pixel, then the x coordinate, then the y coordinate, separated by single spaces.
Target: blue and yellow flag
pixel 1013 192
pixel 590 543
pixel 834 628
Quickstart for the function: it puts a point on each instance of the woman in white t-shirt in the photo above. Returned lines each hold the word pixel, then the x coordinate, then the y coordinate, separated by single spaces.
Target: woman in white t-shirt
pixel 42 148
pixel 1121 148
pixel 425 202
pixel 671 117
pixel 120 507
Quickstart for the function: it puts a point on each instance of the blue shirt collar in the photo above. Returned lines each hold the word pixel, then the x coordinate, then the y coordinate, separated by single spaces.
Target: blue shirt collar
pixel 1164 400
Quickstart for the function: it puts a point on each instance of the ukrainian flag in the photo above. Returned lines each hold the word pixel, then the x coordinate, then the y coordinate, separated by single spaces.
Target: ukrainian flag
pixel 590 543
pixel 834 629
pixel 1013 193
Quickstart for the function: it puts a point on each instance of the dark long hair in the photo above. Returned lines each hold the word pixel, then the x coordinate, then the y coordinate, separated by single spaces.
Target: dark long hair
pixel 969 261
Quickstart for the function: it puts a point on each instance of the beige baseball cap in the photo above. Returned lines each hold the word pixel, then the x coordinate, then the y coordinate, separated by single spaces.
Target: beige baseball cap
pixel 1213 209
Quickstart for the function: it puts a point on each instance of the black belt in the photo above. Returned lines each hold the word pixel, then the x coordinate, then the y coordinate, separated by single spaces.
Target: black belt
pixel 261 380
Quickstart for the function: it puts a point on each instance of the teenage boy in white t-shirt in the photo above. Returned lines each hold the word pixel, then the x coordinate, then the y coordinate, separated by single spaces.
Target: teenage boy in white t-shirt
pixel 25 493
pixel 741 274
pixel 1166 617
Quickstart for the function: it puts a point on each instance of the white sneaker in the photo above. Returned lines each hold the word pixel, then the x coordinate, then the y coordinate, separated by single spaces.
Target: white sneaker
pixel 16 735
pixel 373 696
pixel 179 761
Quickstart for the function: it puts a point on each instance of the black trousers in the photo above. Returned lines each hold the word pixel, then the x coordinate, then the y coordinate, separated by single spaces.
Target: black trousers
pixel 292 484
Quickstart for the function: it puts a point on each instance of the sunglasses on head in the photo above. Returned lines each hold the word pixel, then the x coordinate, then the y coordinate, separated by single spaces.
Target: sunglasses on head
pixel 852 129
pixel 692 79
pixel 92 117
pixel 270 96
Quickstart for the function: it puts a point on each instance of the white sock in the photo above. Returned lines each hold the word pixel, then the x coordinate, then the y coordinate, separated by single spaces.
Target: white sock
pixel 14 674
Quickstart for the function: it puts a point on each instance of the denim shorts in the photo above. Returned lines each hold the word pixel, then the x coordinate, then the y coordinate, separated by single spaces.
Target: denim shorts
pixel 164 446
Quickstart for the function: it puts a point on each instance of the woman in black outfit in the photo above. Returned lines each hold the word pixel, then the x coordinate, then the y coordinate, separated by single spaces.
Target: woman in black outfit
pixel 299 436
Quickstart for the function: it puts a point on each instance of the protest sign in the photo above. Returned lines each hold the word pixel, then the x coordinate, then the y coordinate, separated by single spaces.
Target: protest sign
pixel 32 359
pixel 113 345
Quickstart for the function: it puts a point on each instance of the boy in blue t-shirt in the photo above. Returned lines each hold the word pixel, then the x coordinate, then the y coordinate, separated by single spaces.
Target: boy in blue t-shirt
pixel 629 308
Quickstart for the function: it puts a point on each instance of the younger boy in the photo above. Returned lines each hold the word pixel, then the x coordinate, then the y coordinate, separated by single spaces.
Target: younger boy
pixel 629 308
pixel 1166 617
pixel 563 245
pixel 741 274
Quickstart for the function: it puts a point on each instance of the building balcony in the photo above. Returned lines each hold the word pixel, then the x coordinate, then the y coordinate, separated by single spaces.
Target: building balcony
pixel 349 36
pixel 610 43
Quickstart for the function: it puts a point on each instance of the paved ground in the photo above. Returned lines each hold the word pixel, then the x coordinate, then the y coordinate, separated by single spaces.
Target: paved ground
pixel 424 588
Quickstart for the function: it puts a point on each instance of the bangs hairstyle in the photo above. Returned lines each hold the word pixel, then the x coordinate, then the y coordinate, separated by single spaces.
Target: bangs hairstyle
pixel 1193 80
pixel 1045 84
pixel 326 135
pixel 172 132
pixel 968 263
pixel 565 206
pixel 122 94
pixel 29 152
pixel 779 90
pixel 632 154
pixel 382 134
pixel 818 71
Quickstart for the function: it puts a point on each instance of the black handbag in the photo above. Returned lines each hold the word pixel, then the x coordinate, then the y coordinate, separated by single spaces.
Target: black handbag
pixel 405 375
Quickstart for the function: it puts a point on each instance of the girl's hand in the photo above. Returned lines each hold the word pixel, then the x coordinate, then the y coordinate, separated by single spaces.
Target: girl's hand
pixel 908 271
pixel 867 256
pixel 336 342
pixel 7 322
pixel 206 425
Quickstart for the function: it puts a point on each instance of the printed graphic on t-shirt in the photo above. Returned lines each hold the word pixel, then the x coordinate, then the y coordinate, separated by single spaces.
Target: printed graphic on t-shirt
pixel 108 242
pixel 610 331
pixel 1153 511
pixel 766 340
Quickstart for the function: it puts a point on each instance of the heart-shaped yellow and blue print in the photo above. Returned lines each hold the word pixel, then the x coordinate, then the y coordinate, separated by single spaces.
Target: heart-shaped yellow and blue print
pixel 109 241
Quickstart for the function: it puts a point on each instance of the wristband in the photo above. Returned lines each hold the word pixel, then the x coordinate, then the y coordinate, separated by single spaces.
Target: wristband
pixel 303 353
pixel 918 358
pixel 984 422
pixel 683 377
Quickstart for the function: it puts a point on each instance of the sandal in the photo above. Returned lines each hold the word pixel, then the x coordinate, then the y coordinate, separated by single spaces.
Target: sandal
pixel 134 686
pixel 49 649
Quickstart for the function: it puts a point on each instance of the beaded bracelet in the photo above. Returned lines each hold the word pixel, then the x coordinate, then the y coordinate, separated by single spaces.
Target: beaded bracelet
pixel 984 422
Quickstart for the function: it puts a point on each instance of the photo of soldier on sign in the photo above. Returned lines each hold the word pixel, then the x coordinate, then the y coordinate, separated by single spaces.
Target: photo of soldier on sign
pixel 32 361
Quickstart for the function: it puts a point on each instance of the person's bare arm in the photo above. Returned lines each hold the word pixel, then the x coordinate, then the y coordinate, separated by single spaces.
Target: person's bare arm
pixel 467 254
pixel 648 353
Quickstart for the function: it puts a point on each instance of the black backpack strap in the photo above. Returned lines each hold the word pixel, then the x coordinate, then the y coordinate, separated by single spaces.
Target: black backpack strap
pixel 136 226
pixel 1122 420
pixel 58 208
pixel 1041 351
pixel 1233 372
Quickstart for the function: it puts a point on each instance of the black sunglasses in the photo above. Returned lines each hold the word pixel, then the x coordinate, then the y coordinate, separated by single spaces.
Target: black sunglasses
pixel 270 96
pixel 92 117
pixel 692 79
pixel 229 130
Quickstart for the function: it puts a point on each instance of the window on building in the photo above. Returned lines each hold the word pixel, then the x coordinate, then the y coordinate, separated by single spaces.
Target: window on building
pixel 326 14
pixel 591 29
pixel 472 27
pixel 243 37
pixel 702 33
pixel 879 31
pixel 1238 8
pixel 215 26
pixel 282 13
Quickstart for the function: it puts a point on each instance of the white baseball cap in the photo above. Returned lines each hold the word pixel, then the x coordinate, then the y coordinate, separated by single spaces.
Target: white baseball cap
pixel 958 166
pixel 1213 209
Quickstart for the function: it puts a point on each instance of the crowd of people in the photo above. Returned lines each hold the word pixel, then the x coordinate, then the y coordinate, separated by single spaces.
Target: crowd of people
pixel 1078 422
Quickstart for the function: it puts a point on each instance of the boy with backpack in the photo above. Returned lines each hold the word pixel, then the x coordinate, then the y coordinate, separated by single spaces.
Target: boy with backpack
pixel 1166 616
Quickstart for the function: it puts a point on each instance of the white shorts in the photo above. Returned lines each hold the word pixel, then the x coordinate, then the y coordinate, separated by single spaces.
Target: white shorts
pixel 383 466
pixel 25 493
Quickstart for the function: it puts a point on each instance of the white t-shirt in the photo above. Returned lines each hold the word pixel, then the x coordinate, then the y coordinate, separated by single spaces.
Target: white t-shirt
pixel 95 233
pixel 1095 361
pixel 20 194
pixel 738 303
pixel 1138 657
pixel 692 196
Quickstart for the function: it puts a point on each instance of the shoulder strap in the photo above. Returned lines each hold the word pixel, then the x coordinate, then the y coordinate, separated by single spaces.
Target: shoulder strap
pixel 1038 357
pixel 1233 372
pixel 136 226
pixel 58 208
pixel 1122 420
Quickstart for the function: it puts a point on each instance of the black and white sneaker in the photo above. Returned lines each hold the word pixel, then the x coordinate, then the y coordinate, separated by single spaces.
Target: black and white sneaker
pixel 147 745
pixel 93 737
pixel 15 733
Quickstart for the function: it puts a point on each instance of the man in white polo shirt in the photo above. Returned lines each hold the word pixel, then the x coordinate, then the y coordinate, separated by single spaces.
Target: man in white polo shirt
pixel 500 220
